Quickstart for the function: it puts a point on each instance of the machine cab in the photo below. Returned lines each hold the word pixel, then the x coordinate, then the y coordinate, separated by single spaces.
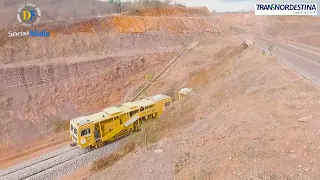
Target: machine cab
pixel 82 132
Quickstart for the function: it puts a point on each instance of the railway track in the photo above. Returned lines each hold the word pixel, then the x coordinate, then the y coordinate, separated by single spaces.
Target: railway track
pixel 34 163
pixel 169 66
pixel 55 164
pixel 16 169
pixel 45 167
pixel 61 162
pixel 85 151
pixel 43 170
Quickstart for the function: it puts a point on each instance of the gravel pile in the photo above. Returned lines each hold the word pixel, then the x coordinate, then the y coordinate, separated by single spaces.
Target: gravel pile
pixel 56 163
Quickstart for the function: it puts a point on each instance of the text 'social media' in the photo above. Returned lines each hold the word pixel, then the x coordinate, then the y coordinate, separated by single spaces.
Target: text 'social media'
pixel 31 33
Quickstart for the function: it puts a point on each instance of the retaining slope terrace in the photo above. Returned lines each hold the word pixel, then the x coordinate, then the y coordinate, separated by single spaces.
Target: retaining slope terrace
pixel 34 75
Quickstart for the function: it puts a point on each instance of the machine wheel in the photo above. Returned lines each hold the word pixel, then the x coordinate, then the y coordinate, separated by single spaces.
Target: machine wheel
pixel 99 144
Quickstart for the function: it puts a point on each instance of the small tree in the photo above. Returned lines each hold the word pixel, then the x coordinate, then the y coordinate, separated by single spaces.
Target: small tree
pixel 117 3
pixel 168 1
pixel 149 76
pixel 153 3
pixel 271 49
pixel 144 94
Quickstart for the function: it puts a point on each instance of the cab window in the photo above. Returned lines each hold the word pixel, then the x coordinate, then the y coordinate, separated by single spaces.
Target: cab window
pixel 85 132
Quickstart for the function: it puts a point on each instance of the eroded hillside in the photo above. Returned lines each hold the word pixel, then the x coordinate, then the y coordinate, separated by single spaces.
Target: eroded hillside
pixel 85 66
pixel 252 119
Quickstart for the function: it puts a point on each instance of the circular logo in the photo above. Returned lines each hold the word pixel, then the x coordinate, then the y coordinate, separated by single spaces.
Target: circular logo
pixel 29 15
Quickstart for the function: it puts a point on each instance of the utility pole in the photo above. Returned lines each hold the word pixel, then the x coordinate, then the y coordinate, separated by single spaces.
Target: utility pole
pixel 117 3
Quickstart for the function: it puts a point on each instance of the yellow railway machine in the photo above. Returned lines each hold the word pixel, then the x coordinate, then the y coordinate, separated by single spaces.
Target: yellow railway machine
pixel 111 123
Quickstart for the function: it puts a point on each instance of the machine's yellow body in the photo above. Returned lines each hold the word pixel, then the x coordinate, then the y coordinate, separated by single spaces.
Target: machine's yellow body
pixel 96 129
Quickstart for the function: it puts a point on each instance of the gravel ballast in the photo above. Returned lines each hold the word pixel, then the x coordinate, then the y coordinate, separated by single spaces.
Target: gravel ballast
pixel 57 163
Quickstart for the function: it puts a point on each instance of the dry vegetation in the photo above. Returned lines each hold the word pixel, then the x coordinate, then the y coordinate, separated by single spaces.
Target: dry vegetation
pixel 114 157
pixel 60 125
pixel 180 11
pixel 243 124
pixel 153 130
pixel 177 116
pixel 70 73
pixel 71 9
pixel 102 36
pixel 173 119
